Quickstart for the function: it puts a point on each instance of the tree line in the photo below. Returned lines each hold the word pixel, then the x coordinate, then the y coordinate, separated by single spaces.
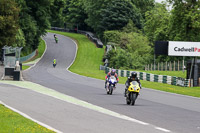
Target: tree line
pixel 131 26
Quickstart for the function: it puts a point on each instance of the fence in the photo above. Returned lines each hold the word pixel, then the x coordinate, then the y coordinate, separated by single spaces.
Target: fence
pixel 90 35
pixel 166 66
pixel 172 80
pixel 26 58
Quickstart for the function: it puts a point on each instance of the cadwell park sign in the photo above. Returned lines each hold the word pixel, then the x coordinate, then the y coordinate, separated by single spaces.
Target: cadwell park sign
pixel 176 48
pixel 181 48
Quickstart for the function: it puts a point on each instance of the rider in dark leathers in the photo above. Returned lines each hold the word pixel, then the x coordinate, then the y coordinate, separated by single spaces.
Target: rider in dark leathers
pixel 133 77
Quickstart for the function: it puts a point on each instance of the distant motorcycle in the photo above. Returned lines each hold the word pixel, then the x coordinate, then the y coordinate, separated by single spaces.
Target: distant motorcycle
pixel 56 39
pixel 132 93
pixel 54 65
pixel 111 84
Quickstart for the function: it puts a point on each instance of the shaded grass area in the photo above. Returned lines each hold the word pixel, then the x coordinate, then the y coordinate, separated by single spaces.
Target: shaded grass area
pixel 12 122
pixel 89 58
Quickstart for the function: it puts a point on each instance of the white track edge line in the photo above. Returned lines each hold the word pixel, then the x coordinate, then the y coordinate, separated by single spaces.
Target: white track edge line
pixel 28 117
pixel 163 129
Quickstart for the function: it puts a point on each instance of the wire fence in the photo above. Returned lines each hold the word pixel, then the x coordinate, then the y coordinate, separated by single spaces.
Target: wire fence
pixel 28 57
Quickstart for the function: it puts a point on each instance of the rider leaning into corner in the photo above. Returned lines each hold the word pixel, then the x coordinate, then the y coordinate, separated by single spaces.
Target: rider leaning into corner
pixel 133 77
pixel 112 73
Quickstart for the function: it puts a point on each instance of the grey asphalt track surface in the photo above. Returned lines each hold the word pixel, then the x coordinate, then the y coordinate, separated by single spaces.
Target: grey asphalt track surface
pixel 175 113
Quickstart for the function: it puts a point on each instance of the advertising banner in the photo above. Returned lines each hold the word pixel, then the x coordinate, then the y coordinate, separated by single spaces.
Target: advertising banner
pixel 176 48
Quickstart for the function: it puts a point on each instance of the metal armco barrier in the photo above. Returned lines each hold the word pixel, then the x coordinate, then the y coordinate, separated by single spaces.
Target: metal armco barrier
pixel 155 78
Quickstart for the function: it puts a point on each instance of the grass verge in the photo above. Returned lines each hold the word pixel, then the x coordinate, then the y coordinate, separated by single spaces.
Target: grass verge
pixel 89 58
pixel 25 67
pixel 12 122
pixel 169 73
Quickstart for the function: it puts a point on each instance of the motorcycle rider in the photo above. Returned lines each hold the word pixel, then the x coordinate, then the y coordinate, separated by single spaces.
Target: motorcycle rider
pixel 56 38
pixel 54 63
pixel 133 77
pixel 112 73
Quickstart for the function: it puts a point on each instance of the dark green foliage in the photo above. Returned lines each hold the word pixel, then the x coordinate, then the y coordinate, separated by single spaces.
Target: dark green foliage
pixel 185 21
pixel 118 13
pixel 93 9
pixel 144 5
pixel 75 15
pixel 132 49
pixel 112 36
pixel 56 12
pixel 120 59
pixel 8 22
pixel 157 23
pixel 34 20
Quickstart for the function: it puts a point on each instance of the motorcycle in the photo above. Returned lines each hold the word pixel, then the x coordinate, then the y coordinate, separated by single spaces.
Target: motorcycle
pixel 54 65
pixel 132 92
pixel 56 39
pixel 111 84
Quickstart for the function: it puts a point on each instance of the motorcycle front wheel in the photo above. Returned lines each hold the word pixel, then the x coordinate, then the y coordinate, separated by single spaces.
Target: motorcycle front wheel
pixel 110 89
pixel 132 98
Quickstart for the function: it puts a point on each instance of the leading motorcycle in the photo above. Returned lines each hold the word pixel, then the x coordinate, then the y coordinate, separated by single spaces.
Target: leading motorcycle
pixel 132 92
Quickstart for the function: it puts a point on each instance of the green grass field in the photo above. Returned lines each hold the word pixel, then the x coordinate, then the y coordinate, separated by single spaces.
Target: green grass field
pixel 12 122
pixel 89 58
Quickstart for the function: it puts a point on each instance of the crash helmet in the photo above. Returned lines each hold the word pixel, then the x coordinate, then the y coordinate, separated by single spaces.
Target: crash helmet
pixel 133 74
pixel 113 71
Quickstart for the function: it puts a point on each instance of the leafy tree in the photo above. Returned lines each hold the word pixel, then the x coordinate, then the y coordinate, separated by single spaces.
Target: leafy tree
pixel 130 27
pixel 8 22
pixel 112 36
pixel 120 59
pixel 185 20
pixel 93 9
pixel 157 23
pixel 28 26
pixel 39 10
pixel 20 40
pixel 118 13
pixel 34 20
pixel 144 5
pixel 56 13
pixel 75 14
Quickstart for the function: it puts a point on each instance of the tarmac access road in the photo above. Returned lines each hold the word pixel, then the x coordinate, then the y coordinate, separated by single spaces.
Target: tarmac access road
pixel 88 108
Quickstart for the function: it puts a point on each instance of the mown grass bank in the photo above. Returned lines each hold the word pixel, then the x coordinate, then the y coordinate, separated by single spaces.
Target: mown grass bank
pixel 89 58
pixel 12 122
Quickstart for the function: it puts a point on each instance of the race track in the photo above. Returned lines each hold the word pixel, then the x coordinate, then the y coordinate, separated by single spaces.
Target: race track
pixel 155 111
